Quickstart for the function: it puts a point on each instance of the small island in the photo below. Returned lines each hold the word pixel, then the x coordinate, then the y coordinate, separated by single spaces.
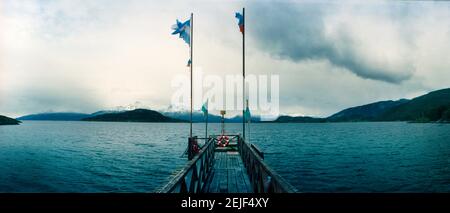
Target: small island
pixel 137 115
pixel 8 121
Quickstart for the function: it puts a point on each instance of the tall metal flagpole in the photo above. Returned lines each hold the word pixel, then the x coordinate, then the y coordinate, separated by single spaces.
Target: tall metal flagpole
pixel 243 74
pixel 248 125
pixel 206 128
pixel 192 63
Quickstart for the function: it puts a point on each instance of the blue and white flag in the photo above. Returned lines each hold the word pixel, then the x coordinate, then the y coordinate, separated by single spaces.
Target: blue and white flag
pixel 247 115
pixel 184 29
pixel 240 18
pixel 205 108
pixel 189 63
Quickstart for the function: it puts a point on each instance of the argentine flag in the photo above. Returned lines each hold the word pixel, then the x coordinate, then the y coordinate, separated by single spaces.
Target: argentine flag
pixel 184 29
pixel 240 18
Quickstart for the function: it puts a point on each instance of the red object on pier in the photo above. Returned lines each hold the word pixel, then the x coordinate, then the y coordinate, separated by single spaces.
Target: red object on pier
pixel 223 140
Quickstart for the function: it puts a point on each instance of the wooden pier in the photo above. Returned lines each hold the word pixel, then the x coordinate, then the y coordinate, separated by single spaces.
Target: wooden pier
pixel 236 168
pixel 228 175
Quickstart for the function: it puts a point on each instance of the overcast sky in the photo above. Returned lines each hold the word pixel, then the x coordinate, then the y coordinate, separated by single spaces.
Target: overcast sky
pixel 89 55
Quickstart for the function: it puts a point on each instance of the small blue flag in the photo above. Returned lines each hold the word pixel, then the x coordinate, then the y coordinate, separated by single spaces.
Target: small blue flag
pixel 205 108
pixel 184 29
pixel 247 114
pixel 189 63
pixel 240 18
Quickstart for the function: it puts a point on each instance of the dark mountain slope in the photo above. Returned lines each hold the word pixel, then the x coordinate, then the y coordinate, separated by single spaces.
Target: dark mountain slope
pixel 368 112
pixel 434 106
pixel 55 116
pixel 137 115
pixel 8 121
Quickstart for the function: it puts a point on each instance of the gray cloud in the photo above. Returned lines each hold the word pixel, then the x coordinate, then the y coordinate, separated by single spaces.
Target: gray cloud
pixel 369 44
pixel 91 55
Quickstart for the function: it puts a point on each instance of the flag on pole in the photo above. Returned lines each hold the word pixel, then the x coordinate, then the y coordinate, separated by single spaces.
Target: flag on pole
pixel 247 115
pixel 184 29
pixel 240 18
pixel 189 63
pixel 205 108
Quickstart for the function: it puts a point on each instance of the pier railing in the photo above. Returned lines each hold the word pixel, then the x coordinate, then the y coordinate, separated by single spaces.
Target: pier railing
pixel 262 177
pixel 233 140
pixel 193 177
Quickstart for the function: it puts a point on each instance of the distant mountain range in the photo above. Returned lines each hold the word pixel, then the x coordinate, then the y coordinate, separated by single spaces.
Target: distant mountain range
pixel 297 119
pixel 368 112
pixel 62 116
pixel 432 107
pixel 200 117
pixel 137 115
pixel 196 116
pixel 177 115
pixel 8 121
pixel 57 116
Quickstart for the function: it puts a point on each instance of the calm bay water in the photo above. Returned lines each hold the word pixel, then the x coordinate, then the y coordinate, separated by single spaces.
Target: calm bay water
pixel 55 156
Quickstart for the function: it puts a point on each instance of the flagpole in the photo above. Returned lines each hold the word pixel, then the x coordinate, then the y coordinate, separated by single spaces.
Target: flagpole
pixel 243 74
pixel 206 129
pixel 248 125
pixel 192 65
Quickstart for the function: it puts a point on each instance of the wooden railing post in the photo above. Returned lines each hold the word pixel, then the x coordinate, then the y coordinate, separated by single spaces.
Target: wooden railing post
pixel 192 178
pixel 192 141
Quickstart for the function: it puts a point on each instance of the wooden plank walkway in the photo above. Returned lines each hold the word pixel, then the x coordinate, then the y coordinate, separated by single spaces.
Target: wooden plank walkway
pixel 224 171
pixel 228 174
